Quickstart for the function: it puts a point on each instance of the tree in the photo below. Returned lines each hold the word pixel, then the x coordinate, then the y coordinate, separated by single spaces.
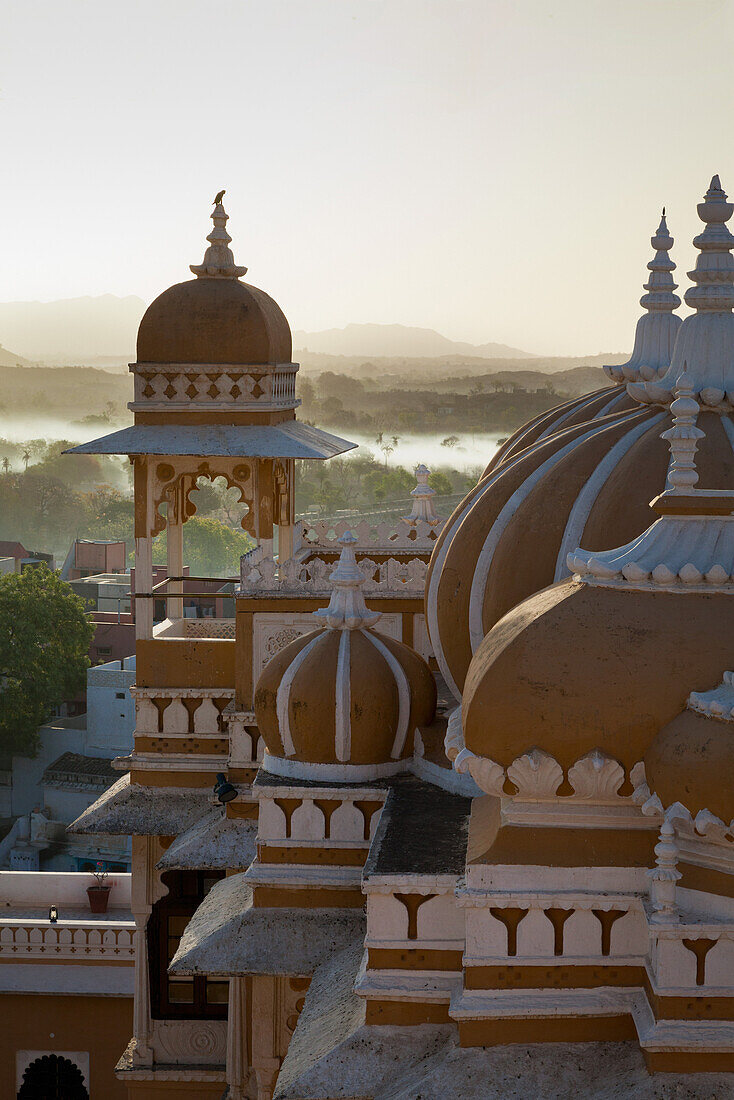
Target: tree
pixel 441 482
pixel 211 549
pixel 44 639
pixel 450 441
pixel 6 465
pixel 26 457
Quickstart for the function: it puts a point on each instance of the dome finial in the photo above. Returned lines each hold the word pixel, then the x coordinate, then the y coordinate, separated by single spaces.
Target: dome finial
pixel 218 262
pixel 658 327
pixel 705 338
pixel 683 437
pixel 347 609
pixel 422 496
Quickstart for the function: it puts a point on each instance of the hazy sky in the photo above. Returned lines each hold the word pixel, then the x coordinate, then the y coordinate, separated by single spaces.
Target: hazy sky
pixel 491 169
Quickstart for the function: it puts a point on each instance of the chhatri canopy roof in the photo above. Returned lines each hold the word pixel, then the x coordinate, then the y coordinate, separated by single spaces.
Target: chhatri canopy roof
pixel 289 439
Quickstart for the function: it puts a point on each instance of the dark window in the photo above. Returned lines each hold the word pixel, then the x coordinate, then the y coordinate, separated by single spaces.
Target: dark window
pixel 120 695
pixel 173 997
pixel 53 1078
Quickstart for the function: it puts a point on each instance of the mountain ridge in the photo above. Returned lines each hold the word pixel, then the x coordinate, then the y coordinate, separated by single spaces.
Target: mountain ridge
pixel 394 341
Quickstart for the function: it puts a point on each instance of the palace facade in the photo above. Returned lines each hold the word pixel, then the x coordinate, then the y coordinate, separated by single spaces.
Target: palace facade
pixel 447 808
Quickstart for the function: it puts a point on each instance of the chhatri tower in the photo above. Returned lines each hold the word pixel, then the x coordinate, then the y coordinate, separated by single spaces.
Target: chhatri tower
pixel 447 810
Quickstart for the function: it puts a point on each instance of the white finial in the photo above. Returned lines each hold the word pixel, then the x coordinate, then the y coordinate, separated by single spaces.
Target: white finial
pixel 347 609
pixel 658 327
pixel 664 877
pixel 218 262
pixel 683 437
pixel 422 496
pixel 706 337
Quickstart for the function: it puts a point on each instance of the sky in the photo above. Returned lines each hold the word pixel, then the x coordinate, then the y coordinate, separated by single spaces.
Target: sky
pixel 492 169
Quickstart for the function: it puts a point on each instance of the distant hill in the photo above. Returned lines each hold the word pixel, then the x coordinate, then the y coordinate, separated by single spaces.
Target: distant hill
pixel 10 359
pixel 73 330
pixel 393 341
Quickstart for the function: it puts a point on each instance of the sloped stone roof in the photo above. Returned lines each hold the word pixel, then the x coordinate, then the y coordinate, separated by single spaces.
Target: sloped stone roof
pixel 72 769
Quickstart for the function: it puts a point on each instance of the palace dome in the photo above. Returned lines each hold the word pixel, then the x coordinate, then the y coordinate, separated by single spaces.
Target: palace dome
pixel 585 473
pixel 596 661
pixel 214 318
pixel 582 666
pixel 691 759
pixel 344 701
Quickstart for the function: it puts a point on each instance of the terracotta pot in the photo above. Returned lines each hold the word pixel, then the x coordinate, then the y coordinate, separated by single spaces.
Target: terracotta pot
pixel 98 898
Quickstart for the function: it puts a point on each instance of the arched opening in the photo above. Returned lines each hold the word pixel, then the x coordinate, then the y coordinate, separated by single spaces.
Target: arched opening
pixel 53 1077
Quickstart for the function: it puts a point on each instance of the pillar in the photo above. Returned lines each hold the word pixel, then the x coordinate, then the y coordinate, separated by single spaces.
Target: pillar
pixel 144 585
pixel 237 1065
pixel 174 549
pixel 141 1011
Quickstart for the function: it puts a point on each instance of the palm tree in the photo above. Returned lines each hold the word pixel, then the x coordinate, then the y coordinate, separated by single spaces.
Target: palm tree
pixel 6 465
pixel 26 457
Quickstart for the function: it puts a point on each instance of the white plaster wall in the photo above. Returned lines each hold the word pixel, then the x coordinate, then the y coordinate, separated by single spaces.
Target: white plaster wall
pixel 34 889
pixel 110 721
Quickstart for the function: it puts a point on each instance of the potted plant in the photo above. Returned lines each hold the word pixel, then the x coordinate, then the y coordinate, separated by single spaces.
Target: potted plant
pixel 99 894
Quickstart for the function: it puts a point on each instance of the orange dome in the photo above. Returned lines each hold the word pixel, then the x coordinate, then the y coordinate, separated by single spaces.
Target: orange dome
pixel 214 321
pixel 343 701
pixel 589 484
pixel 580 667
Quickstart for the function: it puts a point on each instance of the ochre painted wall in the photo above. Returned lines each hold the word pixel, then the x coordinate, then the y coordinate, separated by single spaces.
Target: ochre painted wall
pixel 177 1090
pixel 100 1025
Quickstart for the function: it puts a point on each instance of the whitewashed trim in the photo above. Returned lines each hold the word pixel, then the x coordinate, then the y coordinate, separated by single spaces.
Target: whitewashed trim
pixel 401 681
pixel 431 604
pixel 282 698
pixel 486 554
pixel 332 773
pixel 586 499
pixel 343 713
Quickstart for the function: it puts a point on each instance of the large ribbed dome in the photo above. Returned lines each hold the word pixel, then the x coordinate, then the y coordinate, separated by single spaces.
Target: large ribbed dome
pixel 583 474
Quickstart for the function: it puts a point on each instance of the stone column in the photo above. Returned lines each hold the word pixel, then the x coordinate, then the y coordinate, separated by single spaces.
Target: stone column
pixel 143 1054
pixel 144 585
pixel 237 1064
pixel 174 548
pixel 265 1060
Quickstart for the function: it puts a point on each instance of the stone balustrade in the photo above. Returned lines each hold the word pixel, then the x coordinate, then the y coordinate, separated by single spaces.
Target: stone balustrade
pixel 182 712
pixel 419 535
pixel 310 576
pixel 104 939
pixel 182 385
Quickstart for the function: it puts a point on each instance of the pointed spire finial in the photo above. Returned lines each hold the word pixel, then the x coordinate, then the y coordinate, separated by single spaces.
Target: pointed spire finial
pixel 422 496
pixel 683 437
pixel 347 609
pixel 658 327
pixel 218 262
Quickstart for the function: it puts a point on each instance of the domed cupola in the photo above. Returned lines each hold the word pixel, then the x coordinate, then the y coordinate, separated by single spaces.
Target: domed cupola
pixel 578 482
pixel 214 318
pixel 343 702
pixel 595 664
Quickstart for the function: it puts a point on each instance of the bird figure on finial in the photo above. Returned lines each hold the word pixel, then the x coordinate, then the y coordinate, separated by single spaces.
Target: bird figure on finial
pixel 219 196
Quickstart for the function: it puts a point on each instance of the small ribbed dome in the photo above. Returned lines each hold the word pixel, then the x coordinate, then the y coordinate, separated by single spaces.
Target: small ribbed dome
pixel 343 701
pixel 215 318
pixel 692 758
